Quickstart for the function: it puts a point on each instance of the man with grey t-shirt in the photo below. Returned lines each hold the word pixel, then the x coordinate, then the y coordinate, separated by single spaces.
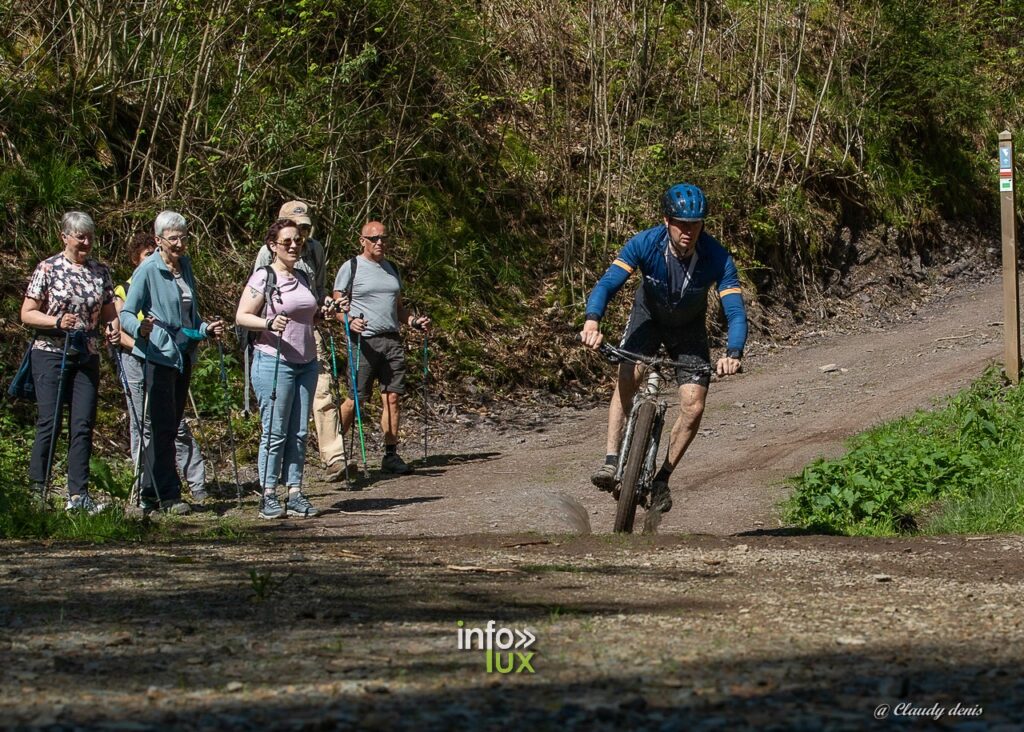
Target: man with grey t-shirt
pixel 376 304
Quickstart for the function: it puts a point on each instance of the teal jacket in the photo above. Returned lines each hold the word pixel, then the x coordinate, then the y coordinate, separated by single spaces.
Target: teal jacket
pixel 153 292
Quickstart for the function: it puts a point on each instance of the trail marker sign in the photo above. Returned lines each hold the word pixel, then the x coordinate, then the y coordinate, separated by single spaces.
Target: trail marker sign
pixel 1011 286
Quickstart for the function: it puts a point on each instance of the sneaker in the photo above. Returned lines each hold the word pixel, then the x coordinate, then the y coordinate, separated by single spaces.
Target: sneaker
pixel 335 472
pixel 84 502
pixel 604 478
pixel 661 497
pixel 394 464
pixel 199 496
pixel 175 507
pixel 299 505
pixel 271 508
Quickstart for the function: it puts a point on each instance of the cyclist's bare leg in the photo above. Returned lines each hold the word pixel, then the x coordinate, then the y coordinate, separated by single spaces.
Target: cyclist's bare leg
pixel 691 409
pixel 625 388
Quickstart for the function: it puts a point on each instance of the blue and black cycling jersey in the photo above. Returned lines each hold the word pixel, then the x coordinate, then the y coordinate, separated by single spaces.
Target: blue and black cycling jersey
pixel 674 292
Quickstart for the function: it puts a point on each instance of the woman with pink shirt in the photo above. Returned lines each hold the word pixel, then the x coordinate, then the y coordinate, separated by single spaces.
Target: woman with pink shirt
pixel 280 305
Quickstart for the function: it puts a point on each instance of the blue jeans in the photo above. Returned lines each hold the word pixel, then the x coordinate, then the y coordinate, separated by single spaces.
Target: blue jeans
pixel 283 443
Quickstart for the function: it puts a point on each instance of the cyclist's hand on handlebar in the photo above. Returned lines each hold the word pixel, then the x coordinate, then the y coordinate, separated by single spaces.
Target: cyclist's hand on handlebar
pixel 727 366
pixel 591 334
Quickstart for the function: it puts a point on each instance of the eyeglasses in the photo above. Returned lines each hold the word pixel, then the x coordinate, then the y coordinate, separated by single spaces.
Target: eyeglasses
pixel 289 242
pixel 377 238
pixel 176 239
pixel 79 237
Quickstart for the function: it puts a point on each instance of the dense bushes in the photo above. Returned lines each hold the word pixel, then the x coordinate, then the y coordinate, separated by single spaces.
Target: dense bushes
pixel 511 145
pixel 957 468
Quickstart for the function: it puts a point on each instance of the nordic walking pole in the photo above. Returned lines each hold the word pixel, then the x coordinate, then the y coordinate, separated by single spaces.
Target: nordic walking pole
pixel 54 431
pixel 355 390
pixel 337 401
pixel 231 430
pixel 133 415
pixel 426 403
pixel 270 422
pixel 137 496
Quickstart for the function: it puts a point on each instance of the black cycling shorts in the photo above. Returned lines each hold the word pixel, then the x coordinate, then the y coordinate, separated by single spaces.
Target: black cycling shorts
pixel 644 335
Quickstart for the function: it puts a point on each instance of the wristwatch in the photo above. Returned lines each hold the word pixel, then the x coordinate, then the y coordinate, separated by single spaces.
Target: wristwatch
pixel 734 353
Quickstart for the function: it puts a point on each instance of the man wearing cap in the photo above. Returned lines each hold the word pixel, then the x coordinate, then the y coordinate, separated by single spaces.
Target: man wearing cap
pixel 325 412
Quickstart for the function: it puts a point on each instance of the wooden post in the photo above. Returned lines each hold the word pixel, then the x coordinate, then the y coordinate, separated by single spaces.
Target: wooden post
pixel 1011 288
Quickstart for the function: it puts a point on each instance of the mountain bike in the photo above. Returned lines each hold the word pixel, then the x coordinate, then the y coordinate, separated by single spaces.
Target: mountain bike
pixel 641 436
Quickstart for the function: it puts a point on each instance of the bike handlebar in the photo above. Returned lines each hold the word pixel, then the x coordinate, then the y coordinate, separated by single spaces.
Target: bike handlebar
pixel 692 364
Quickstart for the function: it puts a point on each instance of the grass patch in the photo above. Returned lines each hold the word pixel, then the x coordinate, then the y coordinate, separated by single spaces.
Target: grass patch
pixel 952 470
pixel 21 518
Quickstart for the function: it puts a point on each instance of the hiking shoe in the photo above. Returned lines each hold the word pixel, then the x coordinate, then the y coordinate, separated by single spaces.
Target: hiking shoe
pixel 84 502
pixel 271 508
pixel 394 464
pixel 604 478
pixel 199 496
pixel 299 505
pixel 175 507
pixel 661 497
pixel 335 472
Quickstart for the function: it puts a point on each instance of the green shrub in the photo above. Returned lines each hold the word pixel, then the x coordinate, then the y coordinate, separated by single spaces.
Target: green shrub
pixel 968 453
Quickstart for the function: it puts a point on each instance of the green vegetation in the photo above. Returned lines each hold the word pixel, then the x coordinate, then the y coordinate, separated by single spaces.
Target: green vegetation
pixel 511 146
pixel 20 518
pixel 957 469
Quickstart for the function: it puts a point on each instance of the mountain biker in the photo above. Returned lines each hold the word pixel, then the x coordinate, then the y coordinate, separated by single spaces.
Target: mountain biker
pixel 679 261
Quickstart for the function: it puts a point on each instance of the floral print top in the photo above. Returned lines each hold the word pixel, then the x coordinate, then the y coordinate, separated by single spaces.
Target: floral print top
pixel 65 287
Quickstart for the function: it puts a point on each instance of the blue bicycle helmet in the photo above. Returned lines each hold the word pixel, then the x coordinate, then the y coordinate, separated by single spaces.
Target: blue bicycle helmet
pixel 684 202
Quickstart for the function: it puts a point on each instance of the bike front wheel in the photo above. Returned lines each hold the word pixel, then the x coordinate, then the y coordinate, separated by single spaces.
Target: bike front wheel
pixel 625 512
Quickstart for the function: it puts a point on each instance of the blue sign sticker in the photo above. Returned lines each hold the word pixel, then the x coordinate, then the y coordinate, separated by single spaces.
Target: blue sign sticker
pixel 1004 158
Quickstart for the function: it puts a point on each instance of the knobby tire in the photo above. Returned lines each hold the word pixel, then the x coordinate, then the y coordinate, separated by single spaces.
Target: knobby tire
pixel 625 512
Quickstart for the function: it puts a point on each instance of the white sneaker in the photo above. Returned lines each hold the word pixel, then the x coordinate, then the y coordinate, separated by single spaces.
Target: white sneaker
pixel 85 503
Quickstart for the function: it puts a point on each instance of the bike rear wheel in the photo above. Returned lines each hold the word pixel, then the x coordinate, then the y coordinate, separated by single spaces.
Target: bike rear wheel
pixel 625 512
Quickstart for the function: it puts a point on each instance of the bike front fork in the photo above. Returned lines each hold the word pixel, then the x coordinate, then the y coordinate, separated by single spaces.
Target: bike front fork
pixel 651 458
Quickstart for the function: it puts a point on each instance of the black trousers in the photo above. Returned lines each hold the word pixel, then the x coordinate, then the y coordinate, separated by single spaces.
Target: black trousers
pixel 81 384
pixel 165 390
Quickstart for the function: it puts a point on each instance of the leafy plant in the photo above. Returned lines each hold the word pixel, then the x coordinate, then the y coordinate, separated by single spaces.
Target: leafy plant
pixel 967 452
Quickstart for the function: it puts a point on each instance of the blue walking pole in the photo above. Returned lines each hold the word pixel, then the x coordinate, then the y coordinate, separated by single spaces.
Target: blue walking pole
pixel 270 426
pixel 355 394
pixel 426 403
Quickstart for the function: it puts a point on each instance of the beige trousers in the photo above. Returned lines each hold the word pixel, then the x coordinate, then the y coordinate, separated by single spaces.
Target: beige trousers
pixel 325 411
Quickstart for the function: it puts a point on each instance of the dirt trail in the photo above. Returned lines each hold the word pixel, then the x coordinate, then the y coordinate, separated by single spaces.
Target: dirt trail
pixel 350 621
pixel 759 428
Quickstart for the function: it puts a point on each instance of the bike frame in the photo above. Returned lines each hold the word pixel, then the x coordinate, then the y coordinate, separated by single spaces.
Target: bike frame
pixel 650 391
